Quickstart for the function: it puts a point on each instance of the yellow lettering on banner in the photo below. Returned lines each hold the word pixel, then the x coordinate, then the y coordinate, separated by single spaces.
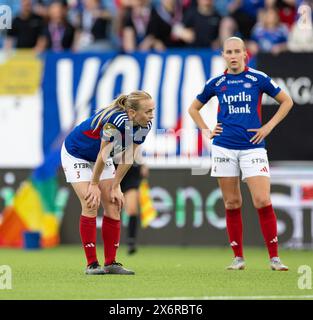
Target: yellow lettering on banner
pixel 20 73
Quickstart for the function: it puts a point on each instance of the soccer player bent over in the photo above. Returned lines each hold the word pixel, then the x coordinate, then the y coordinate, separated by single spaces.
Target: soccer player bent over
pixel 238 144
pixel 87 152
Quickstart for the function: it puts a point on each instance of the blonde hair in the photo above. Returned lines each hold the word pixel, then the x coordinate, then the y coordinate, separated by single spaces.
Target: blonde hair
pixel 123 102
pixel 236 39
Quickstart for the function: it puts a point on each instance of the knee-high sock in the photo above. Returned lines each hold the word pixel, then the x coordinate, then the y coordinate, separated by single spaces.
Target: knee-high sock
pixel 268 224
pixel 234 230
pixel 132 230
pixel 111 230
pixel 88 235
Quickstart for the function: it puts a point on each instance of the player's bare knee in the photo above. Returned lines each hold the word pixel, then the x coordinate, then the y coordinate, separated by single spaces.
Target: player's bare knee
pixel 89 212
pixel 234 203
pixel 112 212
pixel 261 202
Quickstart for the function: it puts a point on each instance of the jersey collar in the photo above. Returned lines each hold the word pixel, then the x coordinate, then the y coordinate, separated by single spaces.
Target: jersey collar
pixel 245 70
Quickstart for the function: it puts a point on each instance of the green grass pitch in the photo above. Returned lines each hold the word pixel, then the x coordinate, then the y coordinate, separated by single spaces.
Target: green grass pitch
pixel 161 272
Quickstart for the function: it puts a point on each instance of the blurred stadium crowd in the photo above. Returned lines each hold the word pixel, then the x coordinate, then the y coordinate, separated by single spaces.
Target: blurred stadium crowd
pixel 130 25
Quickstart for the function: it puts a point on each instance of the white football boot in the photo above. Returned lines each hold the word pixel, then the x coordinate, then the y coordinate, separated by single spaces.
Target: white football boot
pixel 237 264
pixel 277 265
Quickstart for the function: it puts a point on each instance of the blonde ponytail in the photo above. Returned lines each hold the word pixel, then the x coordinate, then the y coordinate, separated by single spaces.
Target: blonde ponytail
pixel 122 103
pixel 115 106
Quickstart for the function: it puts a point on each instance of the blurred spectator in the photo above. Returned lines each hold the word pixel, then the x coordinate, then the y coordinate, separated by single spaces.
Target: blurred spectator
pixel 110 5
pixel 244 12
pixel 41 7
pixel 123 4
pixel 222 7
pixel 76 7
pixel 135 25
pixel 228 25
pixel 165 20
pixel 286 10
pixel 59 33
pixel 202 24
pixel 301 35
pixel 269 35
pixel 26 29
pixel 94 28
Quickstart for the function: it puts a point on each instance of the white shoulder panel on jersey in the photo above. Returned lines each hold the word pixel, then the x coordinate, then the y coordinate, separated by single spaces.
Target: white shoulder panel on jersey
pixel 275 85
pixel 257 72
pixel 120 119
pixel 214 78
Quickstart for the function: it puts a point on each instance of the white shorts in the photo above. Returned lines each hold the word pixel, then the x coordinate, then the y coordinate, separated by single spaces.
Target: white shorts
pixel 79 170
pixel 228 162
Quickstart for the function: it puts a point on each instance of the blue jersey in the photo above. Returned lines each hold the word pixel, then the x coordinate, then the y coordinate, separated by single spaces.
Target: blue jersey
pixel 84 142
pixel 267 39
pixel 239 97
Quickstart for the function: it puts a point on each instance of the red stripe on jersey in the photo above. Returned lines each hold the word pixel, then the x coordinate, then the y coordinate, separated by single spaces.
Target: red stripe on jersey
pixel 93 134
pixel 218 108
pixel 259 107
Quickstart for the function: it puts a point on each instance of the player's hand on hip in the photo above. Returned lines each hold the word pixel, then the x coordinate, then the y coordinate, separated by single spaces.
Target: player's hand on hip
pixel 117 197
pixel 93 196
pixel 216 131
pixel 261 133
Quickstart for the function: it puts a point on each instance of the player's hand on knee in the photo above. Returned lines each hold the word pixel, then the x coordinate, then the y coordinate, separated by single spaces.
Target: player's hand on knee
pixel 93 196
pixel 117 197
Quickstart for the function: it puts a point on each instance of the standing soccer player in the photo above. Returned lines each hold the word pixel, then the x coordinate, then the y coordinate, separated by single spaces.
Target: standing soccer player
pixel 239 144
pixel 87 152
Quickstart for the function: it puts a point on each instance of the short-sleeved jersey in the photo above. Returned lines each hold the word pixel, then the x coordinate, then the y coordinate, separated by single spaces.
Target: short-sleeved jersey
pixel 84 142
pixel 239 109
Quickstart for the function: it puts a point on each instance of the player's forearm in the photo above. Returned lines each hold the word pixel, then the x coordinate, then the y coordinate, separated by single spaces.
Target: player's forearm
pixel 120 173
pixel 138 157
pixel 97 170
pixel 100 162
pixel 127 160
pixel 196 117
pixel 281 113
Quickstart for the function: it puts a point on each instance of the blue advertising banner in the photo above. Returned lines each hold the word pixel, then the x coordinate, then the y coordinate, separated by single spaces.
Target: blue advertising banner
pixel 76 85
